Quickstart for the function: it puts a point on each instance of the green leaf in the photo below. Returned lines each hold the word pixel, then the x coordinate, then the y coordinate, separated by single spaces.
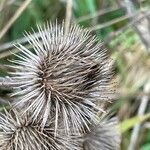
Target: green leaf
pixel 127 124
pixel 145 147
pixel 91 6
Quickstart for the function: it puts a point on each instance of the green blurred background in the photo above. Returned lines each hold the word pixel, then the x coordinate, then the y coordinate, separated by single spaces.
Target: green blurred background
pixel 119 24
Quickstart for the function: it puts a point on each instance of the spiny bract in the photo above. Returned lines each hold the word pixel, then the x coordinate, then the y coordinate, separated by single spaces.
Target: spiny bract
pixel 63 76
pixel 20 133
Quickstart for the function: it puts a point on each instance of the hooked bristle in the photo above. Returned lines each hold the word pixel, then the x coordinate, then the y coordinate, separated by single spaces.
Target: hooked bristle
pixel 63 76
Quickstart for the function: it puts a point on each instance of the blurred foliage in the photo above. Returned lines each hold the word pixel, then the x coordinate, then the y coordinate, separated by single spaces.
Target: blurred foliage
pixel 127 124
pixel 131 59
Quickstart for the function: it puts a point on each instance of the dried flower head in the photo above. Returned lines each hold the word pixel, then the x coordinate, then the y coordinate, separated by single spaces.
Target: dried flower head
pixel 63 76
pixel 20 133
pixel 104 136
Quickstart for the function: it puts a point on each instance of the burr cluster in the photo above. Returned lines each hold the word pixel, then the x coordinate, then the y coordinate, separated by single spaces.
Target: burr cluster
pixel 62 83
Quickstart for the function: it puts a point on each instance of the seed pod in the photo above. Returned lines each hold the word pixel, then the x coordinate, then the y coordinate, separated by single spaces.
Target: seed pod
pixel 63 76
pixel 104 136
pixel 20 133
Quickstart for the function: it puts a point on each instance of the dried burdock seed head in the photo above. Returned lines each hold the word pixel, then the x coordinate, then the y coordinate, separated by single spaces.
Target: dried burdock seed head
pixel 64 75
pixel 104 136
pixel 19 133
